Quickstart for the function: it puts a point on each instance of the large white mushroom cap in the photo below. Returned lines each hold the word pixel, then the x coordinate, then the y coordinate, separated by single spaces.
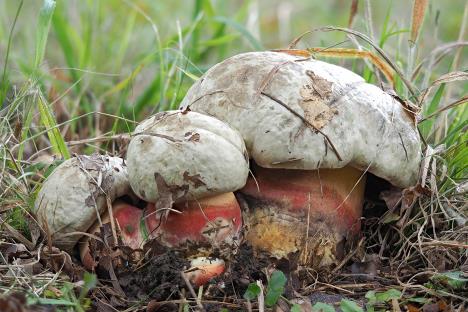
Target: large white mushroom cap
pixel 186 155
pixel 292 112
pixel 75 194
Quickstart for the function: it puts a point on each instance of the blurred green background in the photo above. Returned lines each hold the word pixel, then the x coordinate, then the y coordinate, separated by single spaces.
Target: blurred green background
pixel 130 58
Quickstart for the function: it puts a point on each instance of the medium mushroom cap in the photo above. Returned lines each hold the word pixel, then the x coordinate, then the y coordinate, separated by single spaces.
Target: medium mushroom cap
pixel 76 192
pixel 187 155
pixel 293 112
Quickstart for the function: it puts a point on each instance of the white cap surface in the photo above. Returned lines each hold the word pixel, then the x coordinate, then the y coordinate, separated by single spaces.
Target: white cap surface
pixel 75 193
pixel 368 127
pixel 186 154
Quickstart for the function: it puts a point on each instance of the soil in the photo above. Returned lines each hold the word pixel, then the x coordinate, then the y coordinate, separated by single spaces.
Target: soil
pixel 158 279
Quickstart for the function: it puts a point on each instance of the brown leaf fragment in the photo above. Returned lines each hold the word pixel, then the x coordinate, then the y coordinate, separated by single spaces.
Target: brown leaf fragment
pixel 15 234
pixel 34 229
pixel 370 267
pixel 195 179
pixel 60 261
pixel 431 307
pixel 158 306
pixel 28 266
pixel 10 251
pixel 168 194
pixel 392 197
pixel 192 136
pixel 166 197
pixel 412 308
pixel 321 86
pixel 315 96
pixel 410 109
pixel 93 162
pixel 15 302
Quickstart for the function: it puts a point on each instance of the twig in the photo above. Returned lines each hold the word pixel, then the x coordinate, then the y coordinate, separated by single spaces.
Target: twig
pixel 408 84
pixel 348 256
pixel 261 298
pixel 17 235
pixel 192 291
pixel 463 100
pixel 304 120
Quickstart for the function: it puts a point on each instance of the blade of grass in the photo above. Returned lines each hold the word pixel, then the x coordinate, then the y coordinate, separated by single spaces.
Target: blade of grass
pixel 70 51
pixel 431 108
pixel 27 123
pixel 216 41
pixel 419 10
pixel 197 11
pixel 352 12
pixel 42 33
pixel 242 30
pixel 48 120
pixel 446 78
pixel 460 115
pixel 385 23
pixel 4 82
pixel 411 88
pixel 189 74
pixel 455 64
pixel 46 115
pixel 87 20
pixel 124 83
pixel 458 102
pixel 159 49
pixel 126 39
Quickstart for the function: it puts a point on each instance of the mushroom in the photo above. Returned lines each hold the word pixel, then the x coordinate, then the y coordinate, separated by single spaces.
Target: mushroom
pixel 186 165
pixel 185 155
pixel 76 193
pixel 314 130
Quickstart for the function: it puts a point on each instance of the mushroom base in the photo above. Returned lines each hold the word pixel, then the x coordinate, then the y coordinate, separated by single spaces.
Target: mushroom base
pixel 198 229
pixel 313 214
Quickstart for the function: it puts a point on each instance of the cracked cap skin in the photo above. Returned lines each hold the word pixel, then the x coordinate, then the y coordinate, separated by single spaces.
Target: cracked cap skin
pixel 297 113
pixel 75 193
pixel 187 155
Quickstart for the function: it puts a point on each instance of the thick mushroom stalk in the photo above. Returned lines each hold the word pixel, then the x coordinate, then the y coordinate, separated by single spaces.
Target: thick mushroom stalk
pixel 212 222
pixel 198 228
pixel 305 115
pixel 313 213
pixel 76 193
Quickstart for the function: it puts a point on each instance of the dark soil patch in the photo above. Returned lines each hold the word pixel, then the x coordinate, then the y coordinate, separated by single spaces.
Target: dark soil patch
pixel 159 278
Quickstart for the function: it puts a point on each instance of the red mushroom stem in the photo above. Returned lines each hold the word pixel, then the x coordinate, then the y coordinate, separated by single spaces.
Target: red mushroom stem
pixel 209 222
pixel 312 212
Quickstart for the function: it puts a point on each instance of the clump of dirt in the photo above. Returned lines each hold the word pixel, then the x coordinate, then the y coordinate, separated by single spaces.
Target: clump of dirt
pixel 159 278
pixel 245 267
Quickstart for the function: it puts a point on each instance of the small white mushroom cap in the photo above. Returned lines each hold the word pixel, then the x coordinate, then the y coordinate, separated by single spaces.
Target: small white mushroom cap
pixel 75 194
pixel 186 154
pixel 268 96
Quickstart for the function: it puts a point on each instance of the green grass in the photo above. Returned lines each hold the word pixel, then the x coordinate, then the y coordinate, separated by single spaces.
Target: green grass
pixel 74 70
